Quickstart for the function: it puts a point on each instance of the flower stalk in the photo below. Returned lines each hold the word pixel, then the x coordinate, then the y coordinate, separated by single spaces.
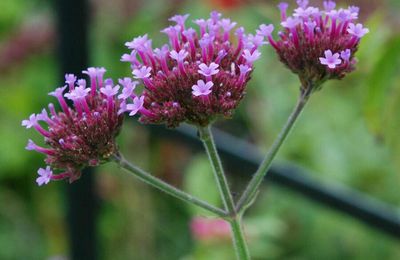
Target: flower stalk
pixel 239 240
pixel 163 186
pixel 251 189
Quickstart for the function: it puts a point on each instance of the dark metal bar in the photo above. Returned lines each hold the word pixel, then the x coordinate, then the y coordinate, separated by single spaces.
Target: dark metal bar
pixel 246 156
pixel 72 27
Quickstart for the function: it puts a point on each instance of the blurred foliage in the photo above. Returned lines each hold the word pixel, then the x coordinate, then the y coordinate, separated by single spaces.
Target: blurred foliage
pixel 347 134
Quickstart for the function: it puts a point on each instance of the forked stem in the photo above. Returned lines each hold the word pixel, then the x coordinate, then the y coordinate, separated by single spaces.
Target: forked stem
pixel 239 241
pixel 252 188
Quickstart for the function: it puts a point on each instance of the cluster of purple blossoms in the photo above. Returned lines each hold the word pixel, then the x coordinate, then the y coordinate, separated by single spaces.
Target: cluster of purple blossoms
pixel 197 76
pixel 317 44
pixel 78 136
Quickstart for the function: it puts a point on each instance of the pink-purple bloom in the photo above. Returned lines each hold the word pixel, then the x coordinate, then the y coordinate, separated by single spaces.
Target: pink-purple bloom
pixel 251 57
pixel 330 60
pixel 128 88
pixel 77 93
pixel 202 88
pixel 136 106
pixel 197 76
pixel 178 56
pixel 345 55
pixel 315 44
pixel 209 70
pixel 143 72
pixel 44 176
pixel 109 90
pixel 81 135
pixel 357 30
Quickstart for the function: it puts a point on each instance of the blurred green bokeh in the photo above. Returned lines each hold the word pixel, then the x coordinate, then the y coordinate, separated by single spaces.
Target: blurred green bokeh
pixel 348 134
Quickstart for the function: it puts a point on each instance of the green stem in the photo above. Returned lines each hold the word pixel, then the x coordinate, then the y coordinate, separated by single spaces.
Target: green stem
pixel 252 188
pixel 242 251
pixel 239 241
pixel 208 141
pixel 167 188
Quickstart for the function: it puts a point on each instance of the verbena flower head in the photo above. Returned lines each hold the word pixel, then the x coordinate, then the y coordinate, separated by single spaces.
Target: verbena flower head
pixel 78 136
pixel 317 44
pixel 197 76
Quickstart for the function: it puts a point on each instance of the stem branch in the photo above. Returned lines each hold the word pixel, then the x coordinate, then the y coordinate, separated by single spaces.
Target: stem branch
pixel 239 241
pixel 167 188
pixel 252 187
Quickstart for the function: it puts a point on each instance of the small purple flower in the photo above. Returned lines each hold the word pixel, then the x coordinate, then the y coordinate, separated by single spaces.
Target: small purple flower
pixel 78 93
pixel 329 5
pixel 227 25
pixel 43 116
pixel 91 72
pixel 303 12
pixel 143 72
pixel 215 16
pixel 265 30
pixel 81 83
pixel 202 24
pixel 136 106
pixel 357 30
pixel 127 82
pixel 209 70
pixel 122 107
pixel 345 55
pixel 58 92
pixel 28 123
pixel 206 40
pixel 179 19
pixel 251 57
pixel 344 15
pixel 311 25
pixel 255 40
pixel 179 56
pixel 244 69
pixel 132 58
pixel 302 3
pixel 202 89
pixel 70 79
pixel 333 14
pixel 290 23
pixel 128 87
pixel 137 43
pixel 109 90
pixel 162 52
pixel 30 146
pixel 354 10
pixel 283 6
pixel 330 60
pixel 44 176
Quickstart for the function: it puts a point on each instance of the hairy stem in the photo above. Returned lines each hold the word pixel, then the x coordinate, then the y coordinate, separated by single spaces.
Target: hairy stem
pixel 208 141
pixel 239 241
pixel 252 187
pixel 167 188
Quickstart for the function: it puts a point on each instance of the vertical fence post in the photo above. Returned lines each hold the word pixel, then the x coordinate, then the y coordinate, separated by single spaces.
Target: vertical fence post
pixel 72 27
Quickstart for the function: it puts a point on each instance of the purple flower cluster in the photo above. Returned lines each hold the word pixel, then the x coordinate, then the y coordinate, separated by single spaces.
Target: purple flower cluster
pixel 317 44
pixel 197 76
pixel 79 136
